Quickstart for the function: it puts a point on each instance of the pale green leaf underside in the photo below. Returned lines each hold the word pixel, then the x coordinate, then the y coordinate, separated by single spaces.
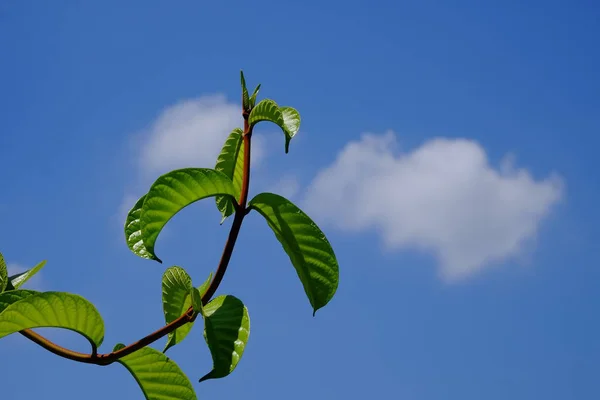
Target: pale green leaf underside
pixel 12 296
pixel 54 309
pixel 133 233
pixel 176 286
pixel 158 376
pixel 291 124
pixel 231 163
pixel 306 245
pixel 17 280
pixel 226 331
pixel 174 191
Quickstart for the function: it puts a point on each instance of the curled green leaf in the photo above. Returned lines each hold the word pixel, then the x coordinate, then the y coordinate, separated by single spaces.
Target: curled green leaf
pixel 305 244
pixel 226 331
pixel 133 231
pixel 291 124
pixel 54 309
pixel 174 191
pixel 17 280
pixel 231 163
pixel 159 377
pixel 266 110
pixel 287 118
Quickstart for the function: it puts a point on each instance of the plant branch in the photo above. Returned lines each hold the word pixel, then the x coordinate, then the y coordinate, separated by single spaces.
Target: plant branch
pixel 190 315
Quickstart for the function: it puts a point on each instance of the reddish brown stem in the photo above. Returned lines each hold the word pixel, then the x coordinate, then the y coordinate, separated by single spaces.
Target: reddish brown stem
pixel 190 315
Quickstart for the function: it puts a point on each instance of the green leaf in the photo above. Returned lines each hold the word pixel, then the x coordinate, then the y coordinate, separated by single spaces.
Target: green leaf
pixel 3 274
pixel 172 192
pixel 253 97
pixel 12 296
pixel 226 331
pixel 204 287
pixel 266 110
pixel 287 118
pixel 306 245
pixel 158 376
pixel 245 100
pixel 196 300
pixel 231 163
pixel 54 309
pixel 291 122
pixel 19 279
pixel 176 286
pixel 133 232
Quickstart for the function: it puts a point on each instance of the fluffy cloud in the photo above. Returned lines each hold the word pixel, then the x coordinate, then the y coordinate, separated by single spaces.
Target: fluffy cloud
pixel 190 133
pixel 443 197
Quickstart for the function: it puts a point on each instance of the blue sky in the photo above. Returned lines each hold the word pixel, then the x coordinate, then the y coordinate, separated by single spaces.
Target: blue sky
pixel 448 152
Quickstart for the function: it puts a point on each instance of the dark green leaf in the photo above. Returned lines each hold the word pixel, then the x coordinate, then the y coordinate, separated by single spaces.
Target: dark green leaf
pixel 196 300
pixel 245 100
pixel 19 279
pixel 133 232
pixel 174 191
pixel 306 245
pixel 12 296
pixel 176 286
pixel 158 376
pixel 3 274
pixel 226 331
pixel 231 163
pixel 53 309
pixel 253 97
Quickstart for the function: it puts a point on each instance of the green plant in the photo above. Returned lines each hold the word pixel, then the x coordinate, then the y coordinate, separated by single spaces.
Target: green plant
pixel 226 319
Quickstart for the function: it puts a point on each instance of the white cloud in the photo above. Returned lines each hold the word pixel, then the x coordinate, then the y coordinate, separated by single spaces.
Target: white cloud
pixel 443 197
pixel 191 134
pixel 288 187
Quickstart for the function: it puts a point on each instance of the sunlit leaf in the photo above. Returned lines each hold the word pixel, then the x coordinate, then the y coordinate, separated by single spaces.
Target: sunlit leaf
pixel 176 286
pixel 253 97
pixel 133 233
pixel 287 118
pixel 53 309
pixel 174 191
pixel 226 331
pixel 266 110
pixel 17 280
pixel 159 377
pixel 231 163
pixel 12 296
pixel 291 124
pixel 196 300
pixel 245 100
pixel 306 245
